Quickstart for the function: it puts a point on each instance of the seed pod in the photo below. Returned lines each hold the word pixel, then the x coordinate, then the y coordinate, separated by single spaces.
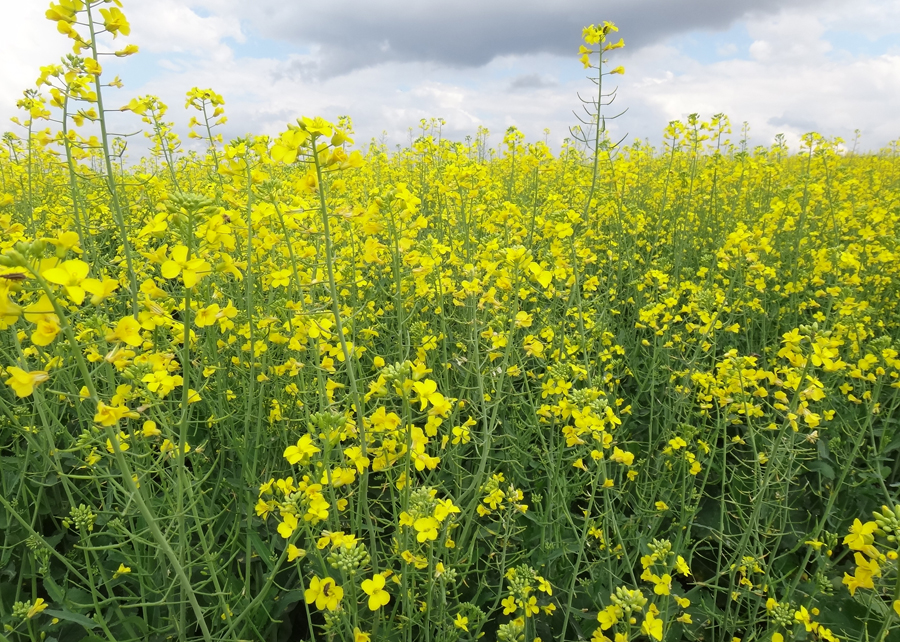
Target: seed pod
pixel 38 247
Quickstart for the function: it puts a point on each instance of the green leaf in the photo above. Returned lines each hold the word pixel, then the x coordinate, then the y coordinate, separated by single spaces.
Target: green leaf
pixel 285 601
pixel 137 622
pixel 822 468
pixel 262 550
pixel 54 590
pixel 83 620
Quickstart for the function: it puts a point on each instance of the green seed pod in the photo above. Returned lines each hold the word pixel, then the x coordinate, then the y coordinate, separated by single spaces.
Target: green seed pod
pixel 38 247
pixel 16 259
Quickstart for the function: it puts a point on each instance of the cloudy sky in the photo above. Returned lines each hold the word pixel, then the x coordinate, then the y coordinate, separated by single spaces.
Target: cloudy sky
pixel 783 66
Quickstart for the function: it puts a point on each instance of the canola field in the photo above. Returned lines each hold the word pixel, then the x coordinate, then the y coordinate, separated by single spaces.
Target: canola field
pixel 301 388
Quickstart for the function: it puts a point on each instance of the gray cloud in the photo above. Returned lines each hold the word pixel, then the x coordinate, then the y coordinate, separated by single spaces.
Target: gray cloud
pixel 354 34
pixel 531 81
pixel 794 122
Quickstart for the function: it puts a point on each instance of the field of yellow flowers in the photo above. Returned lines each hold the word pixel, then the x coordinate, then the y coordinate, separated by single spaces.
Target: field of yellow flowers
pixel 281 390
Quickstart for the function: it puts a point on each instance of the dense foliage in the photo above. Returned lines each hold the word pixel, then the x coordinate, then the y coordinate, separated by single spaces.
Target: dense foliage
pixel 280 390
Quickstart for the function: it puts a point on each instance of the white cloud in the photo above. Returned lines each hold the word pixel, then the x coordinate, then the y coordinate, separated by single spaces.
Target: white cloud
pixel 28 42
pixel 790 84
pixel 792 78
pixel 167 26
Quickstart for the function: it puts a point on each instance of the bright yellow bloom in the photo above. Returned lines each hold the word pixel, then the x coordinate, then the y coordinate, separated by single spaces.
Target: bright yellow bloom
pixel 42 314
pixel 191 270
pixel 64 11
pixel 128 330
pixel 301 453
pixel 317 126
pixel 652 626
pixel 374 588
pixel 38 606
pixel 46 331
pixel 161 382
pixel 426 528
pixel 9 311
pixel 22 382
pixel 111 415
pixel 861 535
pixel 121 440
pixel 427 391
pixel 609 616
pixel 324 593
pixel 461 622
pixel 149 429
pixel 544 585
pixel 100 290
pixel 207 316
pixel 115 22
pixel 802 617
pixel 70 275
pixel 288 525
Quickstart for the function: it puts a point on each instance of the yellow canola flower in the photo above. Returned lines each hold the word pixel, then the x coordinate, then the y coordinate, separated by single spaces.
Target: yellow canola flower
pixel 287 147
pixel 207 316
pixel 46 331
pixel 115 22
pixel 427 391
pixel 100 290
pixel 374 588
pixel 127 51
pixel 70 275
pixel 316 126
pixel 122 570
pixel 92 67
pixel 652 626
pixel 324 593
pixel 288 525
pixel 149 429
pixel 38 606
pixel 40 309
pixel 302 451
pixel 121 441
pixel 64 11
pixel 111 415
pixel 802 617
pixel 861 535
pixel 161 382
pixel 9 311
pixel 191 270
pixel 23 383
pixel 128 330
pixel 66 241
pixel 461 622
pixel 426 529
